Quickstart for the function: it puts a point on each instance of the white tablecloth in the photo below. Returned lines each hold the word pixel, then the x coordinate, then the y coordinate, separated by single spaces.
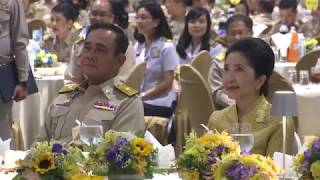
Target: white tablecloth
pixel 308 98
pixel 283 68
pixel 30 113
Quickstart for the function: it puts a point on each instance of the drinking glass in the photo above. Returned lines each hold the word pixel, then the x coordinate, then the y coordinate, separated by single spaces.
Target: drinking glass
pixel 304 77
pixel 90 134
pixel 242 132
pixel 293 78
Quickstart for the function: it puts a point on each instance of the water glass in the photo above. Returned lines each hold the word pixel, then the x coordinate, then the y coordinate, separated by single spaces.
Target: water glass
pixel 304 77
pixel 293 78
pixel 242 132
pixel 90 134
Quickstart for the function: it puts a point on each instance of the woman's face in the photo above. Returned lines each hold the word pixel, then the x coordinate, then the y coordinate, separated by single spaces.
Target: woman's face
pixel 145 23
pixel 239 78
pixel 198 27
pixel 59 24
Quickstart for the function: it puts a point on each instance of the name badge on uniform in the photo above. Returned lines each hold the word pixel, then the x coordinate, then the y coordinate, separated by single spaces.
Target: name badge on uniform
pixel 105 105
pixel 155 52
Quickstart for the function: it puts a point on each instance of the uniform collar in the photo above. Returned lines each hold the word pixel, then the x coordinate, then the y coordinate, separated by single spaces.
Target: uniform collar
pixel 189 52
pixel 259 111
pixel 107 87
pixel 68 40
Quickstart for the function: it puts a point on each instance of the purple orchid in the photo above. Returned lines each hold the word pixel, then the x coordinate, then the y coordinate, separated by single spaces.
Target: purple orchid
pixel 240 172
pixel 216 154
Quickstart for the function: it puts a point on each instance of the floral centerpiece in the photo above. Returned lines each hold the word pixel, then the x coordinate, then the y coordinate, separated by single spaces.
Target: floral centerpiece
pixel 48 160
pixel 45 59
pixel 201 154
pixel 120 154
pixel 246 167
pixel 310 44
pixel 307 163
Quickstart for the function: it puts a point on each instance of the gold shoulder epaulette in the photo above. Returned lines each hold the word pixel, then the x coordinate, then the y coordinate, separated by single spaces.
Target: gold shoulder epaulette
pixel 221 56
pixel 77 25
pixel 129 91
pixel 80 39
pixel 47 37
pixel 222 41
pixel 68 88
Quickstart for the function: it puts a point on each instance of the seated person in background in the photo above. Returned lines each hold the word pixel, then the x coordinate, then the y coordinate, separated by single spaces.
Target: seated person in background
pixel 100 11
pixel 63 35
pixel 264 18
pixel 121 17
pixel 177 10
pixel 238 27
pixel 196 36
pixel 155 47
pixel 264 12
pixel 40 9
pixel 99 100
pixel 248 66
pixel 289 17
pixel 242 8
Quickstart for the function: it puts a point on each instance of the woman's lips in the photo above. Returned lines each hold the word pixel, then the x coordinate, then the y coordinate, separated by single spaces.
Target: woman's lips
pixel 231 88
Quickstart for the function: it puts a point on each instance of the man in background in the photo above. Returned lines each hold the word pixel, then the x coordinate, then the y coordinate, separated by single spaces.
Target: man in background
pixel 14 64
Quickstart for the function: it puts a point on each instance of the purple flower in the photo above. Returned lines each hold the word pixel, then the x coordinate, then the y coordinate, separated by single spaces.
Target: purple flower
pixel 307 155
pixel 118 153
pixel 216 154
pixel 58 148
pixel 121 141
pixel 240 172
pixel 316 146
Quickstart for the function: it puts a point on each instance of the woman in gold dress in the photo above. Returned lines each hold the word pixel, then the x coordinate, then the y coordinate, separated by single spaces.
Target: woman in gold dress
pixel 248 66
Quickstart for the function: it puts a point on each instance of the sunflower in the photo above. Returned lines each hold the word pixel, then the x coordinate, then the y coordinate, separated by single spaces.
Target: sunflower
pixel 141 147
pixel 216 138
pixel 44 163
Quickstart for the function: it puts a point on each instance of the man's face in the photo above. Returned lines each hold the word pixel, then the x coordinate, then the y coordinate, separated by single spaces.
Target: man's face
pixel 100 12
pixel 288 16
pixel 172 6
pixel 238 30
pixel 98 59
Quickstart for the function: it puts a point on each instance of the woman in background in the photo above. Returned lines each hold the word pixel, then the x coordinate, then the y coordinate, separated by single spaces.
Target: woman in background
pixel 196 36
pixel 63 34
pixel 154 46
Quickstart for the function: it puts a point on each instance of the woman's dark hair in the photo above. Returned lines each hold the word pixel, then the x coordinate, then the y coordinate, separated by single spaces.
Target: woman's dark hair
pixel 185 39
pixel 162 30
pixel 69 11
pixel 121 17
pixel 238 17
pixel 243 2
pixel 259 55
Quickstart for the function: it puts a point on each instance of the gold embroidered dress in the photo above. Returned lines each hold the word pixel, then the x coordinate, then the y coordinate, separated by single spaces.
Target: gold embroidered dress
pixel 267 129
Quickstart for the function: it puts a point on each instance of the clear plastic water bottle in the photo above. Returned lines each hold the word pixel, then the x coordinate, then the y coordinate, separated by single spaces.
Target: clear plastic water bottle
pixel 34 46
